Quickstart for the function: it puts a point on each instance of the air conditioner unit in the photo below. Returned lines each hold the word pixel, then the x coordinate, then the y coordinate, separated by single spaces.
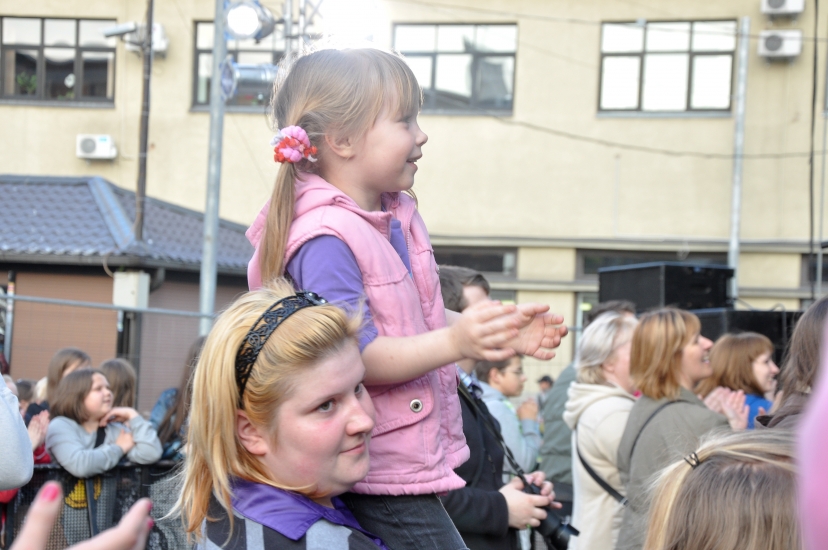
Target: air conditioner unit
pixel 783 7
pixel 95 146
pixel 134 40
pixel 785 44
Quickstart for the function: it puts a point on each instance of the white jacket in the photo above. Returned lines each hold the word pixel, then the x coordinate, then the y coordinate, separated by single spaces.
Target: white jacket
pixel 597 414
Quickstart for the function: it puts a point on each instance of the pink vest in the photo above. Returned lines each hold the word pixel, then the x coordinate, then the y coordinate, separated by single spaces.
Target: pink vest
pixel 418 439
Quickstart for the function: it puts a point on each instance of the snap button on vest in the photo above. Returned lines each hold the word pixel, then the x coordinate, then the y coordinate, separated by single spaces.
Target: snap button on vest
pixel 416 405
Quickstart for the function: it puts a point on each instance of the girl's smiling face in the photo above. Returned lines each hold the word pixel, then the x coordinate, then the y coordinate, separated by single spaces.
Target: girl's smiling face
pixel 321 432
pixel 98 402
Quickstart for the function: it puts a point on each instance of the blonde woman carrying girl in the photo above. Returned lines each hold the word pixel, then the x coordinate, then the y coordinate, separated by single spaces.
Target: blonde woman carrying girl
pixel 340 223
pixel 279 427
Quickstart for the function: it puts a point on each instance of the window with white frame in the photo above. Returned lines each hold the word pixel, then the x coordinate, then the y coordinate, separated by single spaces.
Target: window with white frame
pixel 51 59
pixel 667 66
pixel 268 51
pixel 461 68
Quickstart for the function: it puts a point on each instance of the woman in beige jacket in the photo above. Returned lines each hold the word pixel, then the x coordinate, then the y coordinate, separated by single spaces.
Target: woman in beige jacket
pixel 597 409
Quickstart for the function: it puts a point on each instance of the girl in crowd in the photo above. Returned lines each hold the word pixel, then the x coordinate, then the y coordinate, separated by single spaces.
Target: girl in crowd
pixel 122 381
pixel 64 362
pixel 169 414
pixel 599 403
pixel 279 427
pixel 340 222
pixel 737 491
pixel 800 367
pixel 743 362
pixel 88 436
pixel 668 358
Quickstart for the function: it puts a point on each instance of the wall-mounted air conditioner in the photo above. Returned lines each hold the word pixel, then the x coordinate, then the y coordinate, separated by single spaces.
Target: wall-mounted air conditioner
pixel 782 44
pixel 95 147
pixel 160 42
pixel 785 8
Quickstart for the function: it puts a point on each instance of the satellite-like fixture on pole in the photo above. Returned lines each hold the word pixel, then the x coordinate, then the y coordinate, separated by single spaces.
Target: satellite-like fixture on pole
pixel 249 19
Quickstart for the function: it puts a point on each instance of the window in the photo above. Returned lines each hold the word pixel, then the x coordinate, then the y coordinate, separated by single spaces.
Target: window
pixel 56 59
pixel 269 51
pixel 461 68
pixel 498 262
pixel 667 66
pixel 589 261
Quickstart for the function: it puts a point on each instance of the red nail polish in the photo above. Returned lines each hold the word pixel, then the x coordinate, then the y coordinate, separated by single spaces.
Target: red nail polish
pixel 50 492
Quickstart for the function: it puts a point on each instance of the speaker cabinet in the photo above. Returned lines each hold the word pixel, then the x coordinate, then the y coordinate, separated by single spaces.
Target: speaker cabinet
pixel 661 284
pixel 776 325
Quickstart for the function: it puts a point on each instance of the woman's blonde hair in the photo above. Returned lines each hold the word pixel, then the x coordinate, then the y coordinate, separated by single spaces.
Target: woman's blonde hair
pixel 215 453
pixel 739 496
pixel 732 360
pixel 334 93
pixel 599 342
pixel 657 345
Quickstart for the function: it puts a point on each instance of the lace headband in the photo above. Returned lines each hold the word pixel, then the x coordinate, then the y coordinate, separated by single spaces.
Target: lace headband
pixel 264 326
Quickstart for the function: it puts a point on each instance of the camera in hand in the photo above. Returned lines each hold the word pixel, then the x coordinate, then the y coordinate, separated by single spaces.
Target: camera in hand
pixel 554 531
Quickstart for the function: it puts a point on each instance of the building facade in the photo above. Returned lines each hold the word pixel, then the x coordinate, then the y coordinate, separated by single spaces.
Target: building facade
pixel 563 137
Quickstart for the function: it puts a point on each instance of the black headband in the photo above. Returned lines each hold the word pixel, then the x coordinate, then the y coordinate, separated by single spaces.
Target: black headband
pixel 264 327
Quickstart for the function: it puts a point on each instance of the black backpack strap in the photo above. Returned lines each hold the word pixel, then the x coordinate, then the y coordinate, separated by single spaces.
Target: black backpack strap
pixel 464 393
pixel 597 478
pixel 91 503
pixel 99 437
pixel 655 412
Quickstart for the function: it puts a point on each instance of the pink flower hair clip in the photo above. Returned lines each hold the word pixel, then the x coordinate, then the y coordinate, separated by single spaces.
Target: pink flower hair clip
pixel 292 145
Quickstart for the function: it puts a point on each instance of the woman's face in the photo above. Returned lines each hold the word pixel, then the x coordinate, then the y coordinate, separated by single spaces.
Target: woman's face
pixel 323 429
pixel 98 402
pixel 695 360
pixel 765 371
pixel 617 367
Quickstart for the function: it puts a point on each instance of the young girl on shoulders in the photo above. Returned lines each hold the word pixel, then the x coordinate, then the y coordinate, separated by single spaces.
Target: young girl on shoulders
pixel 88 436
pixel 339 222
pixel 279 427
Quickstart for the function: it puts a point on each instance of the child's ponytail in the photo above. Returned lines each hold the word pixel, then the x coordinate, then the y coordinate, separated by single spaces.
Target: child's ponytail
pixel 279 218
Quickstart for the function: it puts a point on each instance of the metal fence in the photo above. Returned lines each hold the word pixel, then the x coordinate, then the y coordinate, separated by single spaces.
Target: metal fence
pixel 114 492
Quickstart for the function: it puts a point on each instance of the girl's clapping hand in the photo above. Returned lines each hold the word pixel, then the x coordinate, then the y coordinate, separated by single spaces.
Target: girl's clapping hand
pixel 540 331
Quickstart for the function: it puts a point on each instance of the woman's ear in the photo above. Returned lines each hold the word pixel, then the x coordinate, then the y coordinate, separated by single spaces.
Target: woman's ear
pixel 251 437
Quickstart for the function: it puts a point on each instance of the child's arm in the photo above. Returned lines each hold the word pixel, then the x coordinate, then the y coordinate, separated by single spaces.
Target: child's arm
pixel 147 449
pixel 482 331
pixel 64 442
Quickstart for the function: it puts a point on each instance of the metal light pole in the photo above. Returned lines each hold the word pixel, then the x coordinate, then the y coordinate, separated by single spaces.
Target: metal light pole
pixel 738 152
pixel 207 287
pixel 141 191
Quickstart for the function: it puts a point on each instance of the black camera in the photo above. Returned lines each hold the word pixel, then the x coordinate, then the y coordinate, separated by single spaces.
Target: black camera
pixel 555 532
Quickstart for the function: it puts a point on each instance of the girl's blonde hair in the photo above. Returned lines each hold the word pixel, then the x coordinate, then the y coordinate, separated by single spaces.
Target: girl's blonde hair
pixel 122 381
pixel 732 360
pixel 599 342
pixel 657 346
pixel 740 496
pixel 215 453
pixel 334 93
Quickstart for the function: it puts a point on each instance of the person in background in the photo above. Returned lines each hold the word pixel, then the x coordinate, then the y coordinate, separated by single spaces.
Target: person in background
pixel 64 362
pixel 743 362
pixel 736 491
pixel 556 447
pixel 799 369
pixel 16 466
pixel 169 415
pixel 486 512
pixel 25 393
pixel 545 384
pixel 668 358
pixel 599 403
pixel 501 380
pixel 122 381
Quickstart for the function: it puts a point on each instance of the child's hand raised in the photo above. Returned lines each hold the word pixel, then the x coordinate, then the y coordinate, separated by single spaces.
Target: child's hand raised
pixel 119 414
pixel 484 329
pixel 540 331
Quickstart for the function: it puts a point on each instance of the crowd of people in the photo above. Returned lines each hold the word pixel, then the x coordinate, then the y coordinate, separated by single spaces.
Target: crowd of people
pixel 360 396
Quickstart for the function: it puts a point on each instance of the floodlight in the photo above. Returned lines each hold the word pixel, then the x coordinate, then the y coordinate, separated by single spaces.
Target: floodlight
pixel 249 19
pixel 246 80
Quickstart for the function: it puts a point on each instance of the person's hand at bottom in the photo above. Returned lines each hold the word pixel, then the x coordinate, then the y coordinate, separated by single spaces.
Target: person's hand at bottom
pixel 130 534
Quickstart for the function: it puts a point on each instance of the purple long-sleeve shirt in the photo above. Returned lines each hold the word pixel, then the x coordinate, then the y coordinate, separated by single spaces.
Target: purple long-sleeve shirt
pixel 326 266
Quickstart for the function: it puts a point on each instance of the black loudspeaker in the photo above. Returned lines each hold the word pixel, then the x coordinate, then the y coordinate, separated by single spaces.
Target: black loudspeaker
pixel 661 284
pixel 776 325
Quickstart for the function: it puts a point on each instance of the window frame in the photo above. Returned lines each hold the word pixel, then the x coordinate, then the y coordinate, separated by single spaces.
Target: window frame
pixel 507 272
pixel 197 52
pixel 430 95
pixel 688 110
pixel 78 100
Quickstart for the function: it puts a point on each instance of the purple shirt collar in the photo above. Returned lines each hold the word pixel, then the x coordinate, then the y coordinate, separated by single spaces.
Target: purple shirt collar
pixel 288 513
